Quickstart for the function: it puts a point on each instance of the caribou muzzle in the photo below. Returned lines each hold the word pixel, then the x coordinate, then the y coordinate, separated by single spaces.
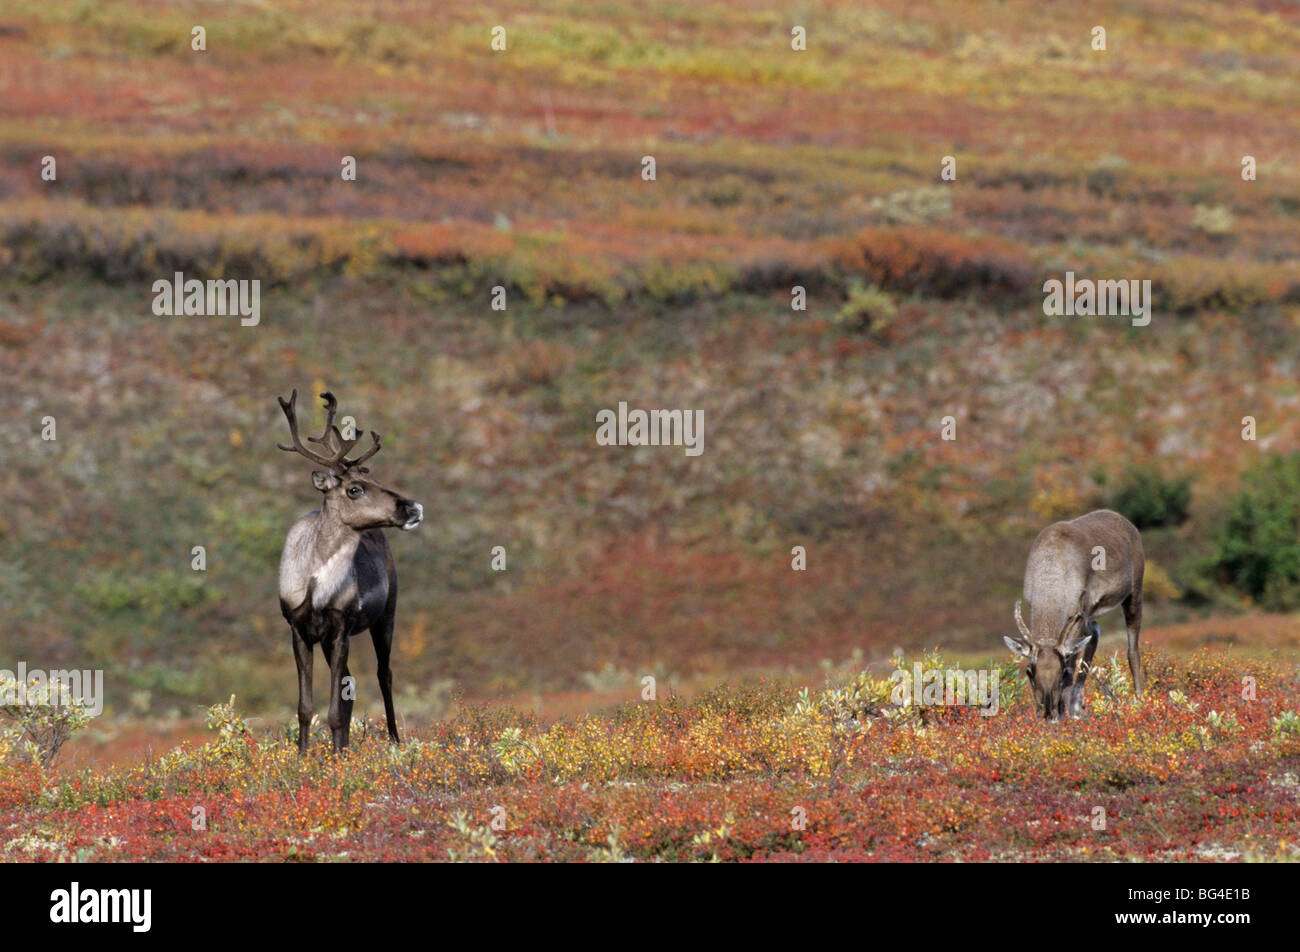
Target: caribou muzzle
pixel 414 513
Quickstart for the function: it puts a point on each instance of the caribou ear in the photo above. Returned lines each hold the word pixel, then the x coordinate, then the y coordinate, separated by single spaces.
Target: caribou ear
pixel 1019 647
pixel 324 481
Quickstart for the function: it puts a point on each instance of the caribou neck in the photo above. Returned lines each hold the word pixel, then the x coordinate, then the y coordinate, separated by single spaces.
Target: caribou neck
pixel 332 553
pixel 332 536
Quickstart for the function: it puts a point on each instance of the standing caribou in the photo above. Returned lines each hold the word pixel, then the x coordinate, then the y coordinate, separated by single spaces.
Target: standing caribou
pixel 1077 570
pixel 336 573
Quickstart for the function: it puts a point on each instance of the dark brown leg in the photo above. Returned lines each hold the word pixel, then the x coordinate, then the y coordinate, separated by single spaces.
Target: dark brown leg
pixel 302 655
pixel 335 646
pixel 382 635
pixel 1085 664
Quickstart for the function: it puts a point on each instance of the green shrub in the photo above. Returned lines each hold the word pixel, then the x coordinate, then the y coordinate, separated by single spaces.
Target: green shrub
pixel 1213 220
pixel 1146 498
pixel 40 716
pixel 866 308
pixel 1257 544
pixel 911 206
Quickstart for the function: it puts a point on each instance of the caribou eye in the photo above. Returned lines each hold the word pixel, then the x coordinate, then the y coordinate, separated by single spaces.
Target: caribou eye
pixel 355 491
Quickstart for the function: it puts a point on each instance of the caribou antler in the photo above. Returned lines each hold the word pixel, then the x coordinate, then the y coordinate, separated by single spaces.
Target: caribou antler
pixel 330 437
pixel 1060 639
pixel 1020 623
pixel 290 408
pixel 366 455
pixel 1076 617
pixel 330 406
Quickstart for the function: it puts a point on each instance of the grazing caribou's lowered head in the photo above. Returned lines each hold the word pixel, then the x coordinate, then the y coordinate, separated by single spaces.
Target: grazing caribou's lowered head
pixel 1077 570
pixel 337 576
pixel 1051 665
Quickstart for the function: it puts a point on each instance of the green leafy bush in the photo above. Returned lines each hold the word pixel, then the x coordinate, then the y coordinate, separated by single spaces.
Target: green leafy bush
pixel 1257 545
pixel 866 308
pixel 38 718
pixel 1147 498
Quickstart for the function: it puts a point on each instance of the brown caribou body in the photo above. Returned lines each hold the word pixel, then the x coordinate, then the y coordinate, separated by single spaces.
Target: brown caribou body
pixel 337 576
pixel 1077 570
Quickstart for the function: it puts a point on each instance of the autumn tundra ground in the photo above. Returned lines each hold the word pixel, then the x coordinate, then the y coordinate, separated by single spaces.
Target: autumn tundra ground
pixel 1207 766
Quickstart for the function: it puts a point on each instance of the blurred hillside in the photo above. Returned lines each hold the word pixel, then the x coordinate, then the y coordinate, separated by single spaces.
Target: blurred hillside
pixel 522 169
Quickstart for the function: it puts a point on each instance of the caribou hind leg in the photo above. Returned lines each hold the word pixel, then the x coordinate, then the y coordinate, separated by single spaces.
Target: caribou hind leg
pixel 1133 621
pixel 382 635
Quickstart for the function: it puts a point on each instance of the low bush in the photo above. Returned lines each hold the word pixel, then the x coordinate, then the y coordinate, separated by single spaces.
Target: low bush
pixel 1257 543
pixel 1148 499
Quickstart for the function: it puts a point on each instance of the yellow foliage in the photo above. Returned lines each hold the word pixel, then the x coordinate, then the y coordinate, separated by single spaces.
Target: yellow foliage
pixel 1056 498
pixel 1157 583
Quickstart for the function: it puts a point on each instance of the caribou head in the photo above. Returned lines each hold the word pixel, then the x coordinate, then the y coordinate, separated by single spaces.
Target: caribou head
pixel 352 498
pixel 1051 666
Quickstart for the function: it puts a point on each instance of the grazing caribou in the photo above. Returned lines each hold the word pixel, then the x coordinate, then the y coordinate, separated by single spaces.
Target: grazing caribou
pixel 336 573
pixel 1077 570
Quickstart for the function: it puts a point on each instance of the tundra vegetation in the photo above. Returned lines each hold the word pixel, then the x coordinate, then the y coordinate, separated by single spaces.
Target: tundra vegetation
pixel 756 772
pixel 521 170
